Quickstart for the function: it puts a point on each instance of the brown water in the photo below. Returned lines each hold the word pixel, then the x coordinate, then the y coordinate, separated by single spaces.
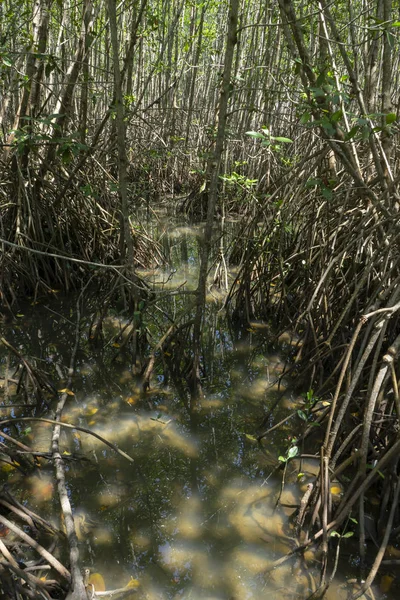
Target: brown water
pixel 196 516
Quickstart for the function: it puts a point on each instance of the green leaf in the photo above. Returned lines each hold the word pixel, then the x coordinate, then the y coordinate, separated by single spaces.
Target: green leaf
pixel 293 451
pixel 327 193
pixel 353 520
pixel 305 117
pixel 282 459
pixel 390 118
pixel 350 134
pixel 335 534
pixel 336 116
pixel 302 415
pixel 255 134
pixel 283 140
pixel 348 534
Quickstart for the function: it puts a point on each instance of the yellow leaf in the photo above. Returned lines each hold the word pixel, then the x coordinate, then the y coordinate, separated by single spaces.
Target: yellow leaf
pixel 92 411
pixel 7 467
pixel 392 552
pixel 20 315
pixel 116 345
pixel 335 489
pixel 92 422
pixel 167 354
pixel 386 583
pixel 132 584
pixel 66 391
pixel 250 437
pixel 97 581
pixel 16 463
pixel 66 453
pixel 131 400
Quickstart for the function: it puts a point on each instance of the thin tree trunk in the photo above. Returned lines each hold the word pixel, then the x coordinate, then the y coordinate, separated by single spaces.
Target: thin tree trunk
pixel 126 238
pixel 213 193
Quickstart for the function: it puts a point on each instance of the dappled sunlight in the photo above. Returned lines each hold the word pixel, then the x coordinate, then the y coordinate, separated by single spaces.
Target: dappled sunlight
pixel 254 559
pixel 189 519
pixel 41 488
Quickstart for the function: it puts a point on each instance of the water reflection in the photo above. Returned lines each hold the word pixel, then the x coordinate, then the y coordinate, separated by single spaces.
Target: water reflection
pixel 196 515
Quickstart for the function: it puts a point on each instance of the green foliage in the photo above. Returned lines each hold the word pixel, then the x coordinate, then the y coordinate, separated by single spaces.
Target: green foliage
pixel 241 181
pixel 292 452
pixel 269 141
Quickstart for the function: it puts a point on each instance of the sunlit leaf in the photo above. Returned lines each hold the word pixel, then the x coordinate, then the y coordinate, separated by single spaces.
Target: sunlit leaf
pixel 283 140
pixel 133 584
pixel 250 437
pixel 66 391
pixel 255 134
pixel 293 451
pixel 97 581
pixel 131 400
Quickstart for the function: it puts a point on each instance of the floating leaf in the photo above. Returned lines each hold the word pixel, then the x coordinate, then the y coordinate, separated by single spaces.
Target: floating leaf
pixel 386 583
pixel 133 584
pixel 97 581
pixel 66 391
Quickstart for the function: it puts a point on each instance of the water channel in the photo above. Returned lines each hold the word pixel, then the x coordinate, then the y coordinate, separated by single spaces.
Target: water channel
pixel 196 516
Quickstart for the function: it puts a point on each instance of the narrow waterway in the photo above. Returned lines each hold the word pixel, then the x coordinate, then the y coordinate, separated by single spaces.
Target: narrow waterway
pixel 201 512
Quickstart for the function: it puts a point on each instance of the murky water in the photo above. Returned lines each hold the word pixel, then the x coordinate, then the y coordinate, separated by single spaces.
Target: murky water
pixel 197 514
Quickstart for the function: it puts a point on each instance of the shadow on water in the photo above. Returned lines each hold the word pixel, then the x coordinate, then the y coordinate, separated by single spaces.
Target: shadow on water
pixel 196 515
